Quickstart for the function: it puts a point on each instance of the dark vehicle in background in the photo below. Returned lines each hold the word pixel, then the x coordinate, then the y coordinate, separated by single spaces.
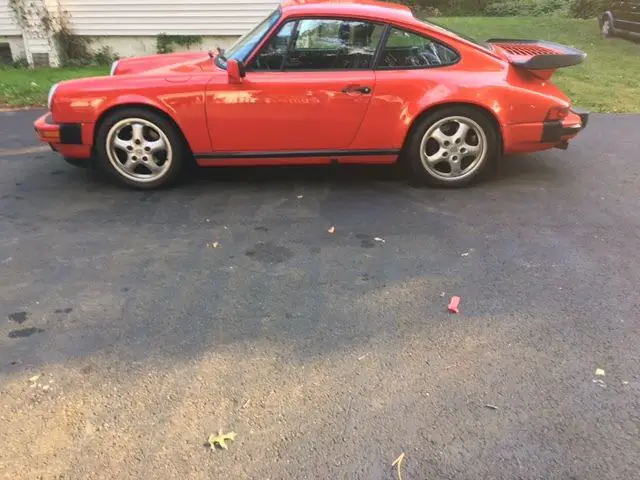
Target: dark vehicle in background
pixel 622 17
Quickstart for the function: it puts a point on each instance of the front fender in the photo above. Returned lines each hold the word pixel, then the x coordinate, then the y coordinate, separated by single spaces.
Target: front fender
pixel 181 101
pixel 130 100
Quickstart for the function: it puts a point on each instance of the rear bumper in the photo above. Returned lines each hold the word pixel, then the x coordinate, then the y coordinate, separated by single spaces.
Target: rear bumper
pixel 535 137
pixel 556 131
pixel 64 138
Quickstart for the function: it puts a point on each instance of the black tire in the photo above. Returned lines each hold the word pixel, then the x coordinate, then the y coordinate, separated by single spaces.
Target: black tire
pixel 471 116
pixel 150 120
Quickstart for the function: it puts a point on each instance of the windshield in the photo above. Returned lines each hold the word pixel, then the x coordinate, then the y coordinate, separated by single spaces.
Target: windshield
pixel 461 35
pixel 241 49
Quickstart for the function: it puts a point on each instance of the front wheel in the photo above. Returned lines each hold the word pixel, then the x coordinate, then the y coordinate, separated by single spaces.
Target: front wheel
pixel 453 146
pixel 140 148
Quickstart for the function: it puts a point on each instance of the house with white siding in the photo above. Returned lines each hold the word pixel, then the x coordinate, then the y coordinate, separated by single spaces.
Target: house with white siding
pixel 130 27
pixel 11 44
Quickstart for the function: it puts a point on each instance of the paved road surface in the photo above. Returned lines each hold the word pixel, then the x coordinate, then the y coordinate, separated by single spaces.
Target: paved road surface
pixel 328 354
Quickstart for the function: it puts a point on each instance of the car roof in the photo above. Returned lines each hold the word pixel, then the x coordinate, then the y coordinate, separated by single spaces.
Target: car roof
pixel 371 9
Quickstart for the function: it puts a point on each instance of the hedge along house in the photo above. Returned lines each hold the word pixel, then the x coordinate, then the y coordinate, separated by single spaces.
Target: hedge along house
pixel 125 27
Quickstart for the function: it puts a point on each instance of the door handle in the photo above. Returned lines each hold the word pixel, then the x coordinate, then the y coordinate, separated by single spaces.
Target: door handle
pixel 356 89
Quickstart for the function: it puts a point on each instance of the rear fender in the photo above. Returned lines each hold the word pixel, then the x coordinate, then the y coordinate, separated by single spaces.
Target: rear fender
pixel 490 105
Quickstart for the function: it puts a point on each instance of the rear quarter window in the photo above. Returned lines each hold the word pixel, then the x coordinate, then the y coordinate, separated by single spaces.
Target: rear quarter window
pixel 404 49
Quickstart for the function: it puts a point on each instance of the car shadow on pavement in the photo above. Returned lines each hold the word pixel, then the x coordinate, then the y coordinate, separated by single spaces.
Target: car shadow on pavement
pixel 306 309
pixel 235 255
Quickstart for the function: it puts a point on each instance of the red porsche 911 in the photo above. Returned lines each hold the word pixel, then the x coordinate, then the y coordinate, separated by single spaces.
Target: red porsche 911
pixel 317 82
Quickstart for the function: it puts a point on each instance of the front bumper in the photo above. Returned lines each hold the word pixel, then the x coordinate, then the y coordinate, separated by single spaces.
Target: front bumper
pixel 64 138
pixel 557 131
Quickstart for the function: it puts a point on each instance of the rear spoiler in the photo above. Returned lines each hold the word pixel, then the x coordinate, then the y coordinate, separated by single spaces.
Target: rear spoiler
pixel 538 54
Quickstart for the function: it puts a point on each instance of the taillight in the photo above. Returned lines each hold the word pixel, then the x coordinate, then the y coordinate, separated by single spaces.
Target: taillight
pixel 557 113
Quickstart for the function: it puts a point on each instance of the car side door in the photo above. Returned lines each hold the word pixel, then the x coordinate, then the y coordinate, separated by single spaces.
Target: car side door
pixel 408 66
pixel 306 89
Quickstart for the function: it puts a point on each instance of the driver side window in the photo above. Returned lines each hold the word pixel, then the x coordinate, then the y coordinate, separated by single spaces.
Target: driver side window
pixel 320 44
pixel 272 54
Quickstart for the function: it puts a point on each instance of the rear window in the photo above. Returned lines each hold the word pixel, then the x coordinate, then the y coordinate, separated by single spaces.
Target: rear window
pixel 405 49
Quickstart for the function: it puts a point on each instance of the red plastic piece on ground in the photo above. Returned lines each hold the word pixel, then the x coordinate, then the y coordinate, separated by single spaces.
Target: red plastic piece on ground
pixel 453 305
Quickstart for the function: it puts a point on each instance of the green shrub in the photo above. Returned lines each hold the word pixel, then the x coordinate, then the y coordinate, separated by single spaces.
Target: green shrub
pixel 104 56
pixel 446 7
pixel 20 62
pixel 526 8
pixel 588 8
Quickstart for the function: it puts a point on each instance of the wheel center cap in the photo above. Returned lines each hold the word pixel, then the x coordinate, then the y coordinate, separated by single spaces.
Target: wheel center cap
pixel 138 151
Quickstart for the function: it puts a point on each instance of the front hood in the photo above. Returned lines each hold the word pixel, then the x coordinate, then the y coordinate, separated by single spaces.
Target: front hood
pixel 180 62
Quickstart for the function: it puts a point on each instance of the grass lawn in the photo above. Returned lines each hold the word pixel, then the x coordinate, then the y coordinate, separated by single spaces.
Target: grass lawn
pixel 606 82
pixel 21 88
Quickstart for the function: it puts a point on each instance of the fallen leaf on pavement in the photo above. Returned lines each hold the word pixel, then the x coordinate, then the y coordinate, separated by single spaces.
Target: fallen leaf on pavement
pixel 220 439
pixel 454 304
pixel 599 372
pixel 398 464
pixel 332 229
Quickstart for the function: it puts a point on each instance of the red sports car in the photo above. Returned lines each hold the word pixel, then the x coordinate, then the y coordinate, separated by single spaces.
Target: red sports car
pixel 318 82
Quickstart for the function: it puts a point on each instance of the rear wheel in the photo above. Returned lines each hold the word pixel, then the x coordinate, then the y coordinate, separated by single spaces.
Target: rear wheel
pixel 453 146
pixel 140 148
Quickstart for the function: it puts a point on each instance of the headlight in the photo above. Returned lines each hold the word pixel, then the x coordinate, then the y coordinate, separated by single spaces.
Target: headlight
pixel 114 65
pixel 52 91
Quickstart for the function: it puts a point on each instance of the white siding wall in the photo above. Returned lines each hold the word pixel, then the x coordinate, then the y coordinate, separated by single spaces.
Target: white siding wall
pixel 8 26
pixel 104 18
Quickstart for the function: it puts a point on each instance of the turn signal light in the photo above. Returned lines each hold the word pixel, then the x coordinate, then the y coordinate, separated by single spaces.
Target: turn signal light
pixel 557 113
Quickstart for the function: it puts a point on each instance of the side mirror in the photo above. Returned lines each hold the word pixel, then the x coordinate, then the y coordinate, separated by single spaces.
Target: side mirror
pixel 235 71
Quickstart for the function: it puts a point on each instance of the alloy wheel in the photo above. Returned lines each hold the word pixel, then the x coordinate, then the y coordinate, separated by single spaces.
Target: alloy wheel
pixel 453 148
pixel 139 150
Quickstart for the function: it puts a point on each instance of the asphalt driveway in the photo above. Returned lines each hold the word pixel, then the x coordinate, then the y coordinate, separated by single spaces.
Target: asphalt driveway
pixel 126 338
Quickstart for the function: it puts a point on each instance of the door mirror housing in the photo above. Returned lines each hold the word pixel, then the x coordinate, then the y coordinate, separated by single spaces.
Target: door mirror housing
pixel 235 71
